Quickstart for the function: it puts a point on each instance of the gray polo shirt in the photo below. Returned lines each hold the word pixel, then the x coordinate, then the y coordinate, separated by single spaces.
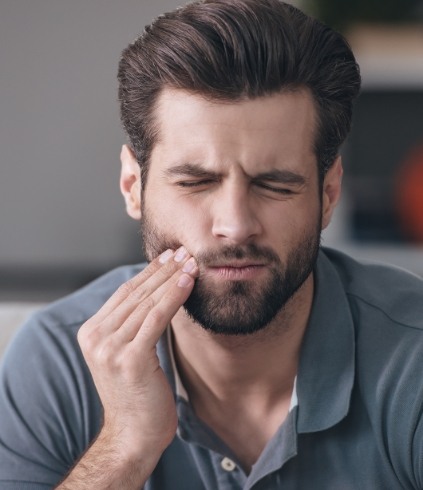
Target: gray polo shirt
pixel 358 423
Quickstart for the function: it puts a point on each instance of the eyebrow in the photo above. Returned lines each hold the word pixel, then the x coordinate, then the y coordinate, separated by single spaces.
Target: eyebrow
pixel 282 177
pixel 189 169
pixel 274 175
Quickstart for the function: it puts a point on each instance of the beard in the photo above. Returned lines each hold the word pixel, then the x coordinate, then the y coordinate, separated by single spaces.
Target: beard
pixel 240 307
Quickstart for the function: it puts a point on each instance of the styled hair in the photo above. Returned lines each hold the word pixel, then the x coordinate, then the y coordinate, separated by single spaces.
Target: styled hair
pixel 230 50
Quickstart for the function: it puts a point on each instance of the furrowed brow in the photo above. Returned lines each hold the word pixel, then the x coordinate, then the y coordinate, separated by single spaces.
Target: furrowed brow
pixel 188 170
pixel 282 177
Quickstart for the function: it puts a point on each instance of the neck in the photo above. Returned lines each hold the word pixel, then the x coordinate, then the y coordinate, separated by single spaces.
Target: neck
pixel 226 370
pixel 241 387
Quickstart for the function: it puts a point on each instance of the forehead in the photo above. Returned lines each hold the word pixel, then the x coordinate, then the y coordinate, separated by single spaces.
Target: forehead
pixel 265 130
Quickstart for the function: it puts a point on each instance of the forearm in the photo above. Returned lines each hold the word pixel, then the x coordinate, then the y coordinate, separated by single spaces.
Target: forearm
pixel 107 465
pixel 119 346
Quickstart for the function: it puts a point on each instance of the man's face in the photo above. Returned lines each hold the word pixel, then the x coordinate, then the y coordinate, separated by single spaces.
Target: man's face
pixel 237 185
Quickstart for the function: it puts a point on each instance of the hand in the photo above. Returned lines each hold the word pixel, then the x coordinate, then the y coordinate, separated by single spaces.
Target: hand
pixel 119 346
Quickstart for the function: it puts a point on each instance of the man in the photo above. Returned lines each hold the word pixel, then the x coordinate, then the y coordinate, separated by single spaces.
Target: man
pixel 243 356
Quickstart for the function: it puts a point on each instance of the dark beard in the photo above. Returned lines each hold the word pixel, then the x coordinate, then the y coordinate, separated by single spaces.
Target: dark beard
pixel 240 307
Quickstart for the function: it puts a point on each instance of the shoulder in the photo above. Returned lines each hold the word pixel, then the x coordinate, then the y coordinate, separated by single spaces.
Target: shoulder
pixel 386 306
pixel 57 324
pixel 44 355
pixel 48 338
pixel 83 303
pixel 380 289
pixel 47 397
pixel 386 309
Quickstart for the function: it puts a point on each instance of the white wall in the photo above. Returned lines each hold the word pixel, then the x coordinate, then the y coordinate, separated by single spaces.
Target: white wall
pixel 61 212
pixel 60 133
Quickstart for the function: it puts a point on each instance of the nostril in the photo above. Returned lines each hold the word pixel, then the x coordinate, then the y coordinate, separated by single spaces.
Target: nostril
pixel 237 231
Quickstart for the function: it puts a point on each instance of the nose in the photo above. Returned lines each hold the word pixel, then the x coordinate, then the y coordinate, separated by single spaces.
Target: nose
pixel 235 218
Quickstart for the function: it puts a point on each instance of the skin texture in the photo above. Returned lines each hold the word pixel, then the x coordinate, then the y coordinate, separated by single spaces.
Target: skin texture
pixel 236 184
pixel 245 301
pixel 119 345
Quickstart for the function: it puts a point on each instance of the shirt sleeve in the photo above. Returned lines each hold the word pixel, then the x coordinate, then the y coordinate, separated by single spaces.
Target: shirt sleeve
pixel 49 408
pixel 418 453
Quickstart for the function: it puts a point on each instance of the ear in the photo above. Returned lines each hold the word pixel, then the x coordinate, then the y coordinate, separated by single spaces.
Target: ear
pixel 130 182
pixel 331 191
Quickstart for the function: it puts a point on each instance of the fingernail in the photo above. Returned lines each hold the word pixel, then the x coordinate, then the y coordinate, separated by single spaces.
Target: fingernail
pixel 165 256
pixel 190 265
pixel 180 255
pixel 185 280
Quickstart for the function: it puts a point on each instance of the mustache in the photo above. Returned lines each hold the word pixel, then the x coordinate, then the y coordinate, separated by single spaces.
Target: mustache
pixel 249 251
pixel 205 258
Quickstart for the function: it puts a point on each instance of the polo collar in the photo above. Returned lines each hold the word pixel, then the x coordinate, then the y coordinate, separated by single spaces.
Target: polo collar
pixel 326 370
pixel 327 361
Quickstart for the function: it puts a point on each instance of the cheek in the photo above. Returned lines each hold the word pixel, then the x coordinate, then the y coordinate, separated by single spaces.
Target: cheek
pixel 187 222
pixel 291 222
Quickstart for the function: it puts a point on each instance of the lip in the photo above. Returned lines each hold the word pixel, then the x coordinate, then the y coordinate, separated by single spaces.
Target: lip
pixel 237 271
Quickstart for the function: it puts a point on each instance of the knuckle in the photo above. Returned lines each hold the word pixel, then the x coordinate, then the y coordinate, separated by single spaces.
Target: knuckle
pixel 147 304
pixel 156 316
pixel 106 354
pixel 174 294
pixel 167 270
pixel 81 335
pixel 126 288
pixel 170 267
pixel 88 337
pixel 133 292
pixel 138 295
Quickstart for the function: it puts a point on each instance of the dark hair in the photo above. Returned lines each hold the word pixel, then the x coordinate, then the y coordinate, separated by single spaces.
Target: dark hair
pixel 230 50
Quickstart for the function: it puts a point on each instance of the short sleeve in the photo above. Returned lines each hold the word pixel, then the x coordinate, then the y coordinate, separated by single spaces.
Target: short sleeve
pixel 418 453
pixel 49 409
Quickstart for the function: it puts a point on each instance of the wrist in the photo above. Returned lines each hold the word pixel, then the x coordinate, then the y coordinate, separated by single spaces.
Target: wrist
pixel 130 450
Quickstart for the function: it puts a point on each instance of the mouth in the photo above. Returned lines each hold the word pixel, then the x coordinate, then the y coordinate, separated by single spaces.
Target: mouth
pixel 236 270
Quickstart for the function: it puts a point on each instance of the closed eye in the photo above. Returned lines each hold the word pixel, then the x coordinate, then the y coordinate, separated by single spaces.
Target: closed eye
pixel 194 183
pixel 279 190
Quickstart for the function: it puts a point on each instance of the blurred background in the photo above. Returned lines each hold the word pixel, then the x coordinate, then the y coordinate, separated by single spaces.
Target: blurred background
pixel 62 219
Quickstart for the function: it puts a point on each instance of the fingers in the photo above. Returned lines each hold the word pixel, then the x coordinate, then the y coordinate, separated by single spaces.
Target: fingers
pixel 131 286
pixel 148 322
pixel 172 265
pixel 125 312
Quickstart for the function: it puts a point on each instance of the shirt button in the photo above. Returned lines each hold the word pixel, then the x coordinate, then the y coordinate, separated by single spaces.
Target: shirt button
pixel 227 464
